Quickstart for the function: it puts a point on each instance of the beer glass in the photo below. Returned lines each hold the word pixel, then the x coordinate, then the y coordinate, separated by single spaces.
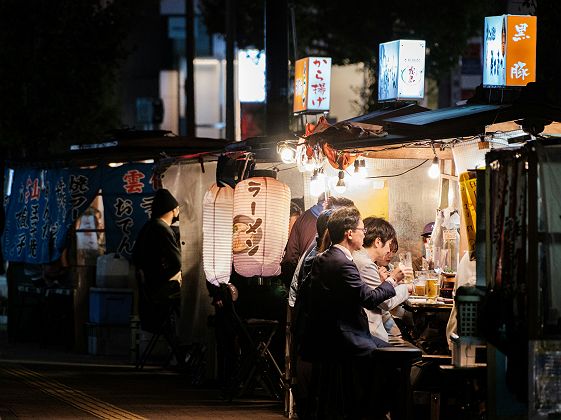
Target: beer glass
pixel 420 287
pixel 406 265
pixel 433 288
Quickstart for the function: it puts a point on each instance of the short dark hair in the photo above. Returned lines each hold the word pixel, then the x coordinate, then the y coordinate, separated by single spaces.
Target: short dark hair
pixel 394 246
pixel 295 209
pixel 321 223
pixel 377 227
pixel 337 202
pixel 341 220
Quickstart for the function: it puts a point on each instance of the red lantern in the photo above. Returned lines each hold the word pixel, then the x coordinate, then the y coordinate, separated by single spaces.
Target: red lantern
pixel 261 216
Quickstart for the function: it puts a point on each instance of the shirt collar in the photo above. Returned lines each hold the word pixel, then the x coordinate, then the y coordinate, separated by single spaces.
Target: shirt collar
pixel 345 251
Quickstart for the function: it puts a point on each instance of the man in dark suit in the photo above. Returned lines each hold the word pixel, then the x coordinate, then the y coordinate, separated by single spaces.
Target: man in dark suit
pixel 338 294
pixel 341 344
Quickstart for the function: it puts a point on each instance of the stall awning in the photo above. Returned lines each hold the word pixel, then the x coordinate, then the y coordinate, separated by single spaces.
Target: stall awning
pixel 452 122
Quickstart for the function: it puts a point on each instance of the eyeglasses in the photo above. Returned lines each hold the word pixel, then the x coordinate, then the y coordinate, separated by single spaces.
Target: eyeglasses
pixel 364 230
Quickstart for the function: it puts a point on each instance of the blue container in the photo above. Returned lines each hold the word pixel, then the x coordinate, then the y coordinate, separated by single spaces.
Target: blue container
pixel 110 306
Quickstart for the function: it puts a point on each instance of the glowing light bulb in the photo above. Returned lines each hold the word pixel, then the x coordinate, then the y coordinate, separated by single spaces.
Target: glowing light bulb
pixel 288 154
pixel 434 170
pixel 310 164
pixel 360 169
pixel 317 183
pixel 340 187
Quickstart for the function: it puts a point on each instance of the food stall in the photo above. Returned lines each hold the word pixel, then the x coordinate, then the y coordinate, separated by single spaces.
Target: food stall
pixel 461 137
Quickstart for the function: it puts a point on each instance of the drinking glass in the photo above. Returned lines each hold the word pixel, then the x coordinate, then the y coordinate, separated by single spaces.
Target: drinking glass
pixel 406 265
pixel 420 287
pixel 433 288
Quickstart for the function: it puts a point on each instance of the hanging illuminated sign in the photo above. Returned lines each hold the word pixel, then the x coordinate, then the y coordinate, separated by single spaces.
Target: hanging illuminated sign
pixel 401 70
pixel 509 50
pixel 312 79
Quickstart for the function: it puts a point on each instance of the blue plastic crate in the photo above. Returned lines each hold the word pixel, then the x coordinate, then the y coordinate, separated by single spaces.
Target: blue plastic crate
pixel 110 306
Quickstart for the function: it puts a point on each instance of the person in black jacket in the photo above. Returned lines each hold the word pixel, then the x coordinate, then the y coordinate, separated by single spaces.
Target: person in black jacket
pixel 157 257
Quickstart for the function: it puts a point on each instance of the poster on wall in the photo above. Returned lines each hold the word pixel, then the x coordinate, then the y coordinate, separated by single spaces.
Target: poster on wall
pixel 509 55
pixel 401 70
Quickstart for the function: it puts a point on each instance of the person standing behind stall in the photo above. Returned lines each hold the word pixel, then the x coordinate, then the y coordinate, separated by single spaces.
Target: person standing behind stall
pixel 301 237
pixel 304 232
pixel 157 257
pixel 378 238
pixel 421 262
pixel 341 339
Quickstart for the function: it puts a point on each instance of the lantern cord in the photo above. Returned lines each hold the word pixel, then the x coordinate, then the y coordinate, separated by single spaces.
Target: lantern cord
pixel 403 173
pixel 247 157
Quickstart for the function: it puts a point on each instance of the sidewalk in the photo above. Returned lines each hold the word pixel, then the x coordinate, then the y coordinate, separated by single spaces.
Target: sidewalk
pixel 47 382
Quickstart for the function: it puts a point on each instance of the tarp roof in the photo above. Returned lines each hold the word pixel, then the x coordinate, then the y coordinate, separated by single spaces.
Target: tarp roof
pixel 529 107
pixel 133 146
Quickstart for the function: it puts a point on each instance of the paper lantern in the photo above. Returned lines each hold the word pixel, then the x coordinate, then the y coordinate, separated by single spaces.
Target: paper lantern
pixel 218 210
pixel 260 233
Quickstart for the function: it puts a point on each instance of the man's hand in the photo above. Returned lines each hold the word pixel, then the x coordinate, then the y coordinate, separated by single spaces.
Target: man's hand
pixel 397 274
pixel 384 273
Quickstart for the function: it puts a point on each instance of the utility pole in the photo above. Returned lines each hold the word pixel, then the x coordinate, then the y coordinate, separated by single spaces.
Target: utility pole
pixel 276 50
pixel 231 7
pixel 190 77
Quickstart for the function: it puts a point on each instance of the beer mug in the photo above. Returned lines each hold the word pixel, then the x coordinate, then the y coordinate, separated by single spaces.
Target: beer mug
pixel 420 287
pixel 433 288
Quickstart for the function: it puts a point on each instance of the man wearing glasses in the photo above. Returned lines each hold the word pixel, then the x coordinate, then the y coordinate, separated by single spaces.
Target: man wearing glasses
pixel 342 344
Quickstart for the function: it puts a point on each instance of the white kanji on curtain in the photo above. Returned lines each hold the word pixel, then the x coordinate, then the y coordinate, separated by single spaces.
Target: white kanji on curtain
pixel 218 211
pixel 260 232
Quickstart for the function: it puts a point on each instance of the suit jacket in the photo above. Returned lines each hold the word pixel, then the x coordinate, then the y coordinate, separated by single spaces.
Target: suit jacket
pixel 369 273
pixel 338 296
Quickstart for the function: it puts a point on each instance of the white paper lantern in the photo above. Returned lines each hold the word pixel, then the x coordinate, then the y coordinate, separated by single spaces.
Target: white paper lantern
pixel 261 216
pixel 218 211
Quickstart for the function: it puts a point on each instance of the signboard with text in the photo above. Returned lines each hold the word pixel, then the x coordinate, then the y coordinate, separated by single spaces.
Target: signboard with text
pixel 401 70
pixel 509 57
pixel 42 206
pixel 312 79
pixel 127 201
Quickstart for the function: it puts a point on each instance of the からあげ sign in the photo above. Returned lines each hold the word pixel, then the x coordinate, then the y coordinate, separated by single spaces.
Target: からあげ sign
pixel 312 80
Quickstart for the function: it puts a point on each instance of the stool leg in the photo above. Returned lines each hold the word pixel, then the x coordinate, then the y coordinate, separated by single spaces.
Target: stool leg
pixel 147 351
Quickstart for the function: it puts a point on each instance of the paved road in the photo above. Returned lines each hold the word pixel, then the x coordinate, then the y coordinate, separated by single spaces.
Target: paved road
pixel 68 386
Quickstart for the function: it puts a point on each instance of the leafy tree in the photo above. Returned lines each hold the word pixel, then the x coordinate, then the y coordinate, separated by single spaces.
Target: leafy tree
pixel 59 63
pixel 349 31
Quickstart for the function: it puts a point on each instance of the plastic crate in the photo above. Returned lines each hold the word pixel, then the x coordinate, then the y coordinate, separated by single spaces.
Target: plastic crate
pixel 108 340
pixel 110 306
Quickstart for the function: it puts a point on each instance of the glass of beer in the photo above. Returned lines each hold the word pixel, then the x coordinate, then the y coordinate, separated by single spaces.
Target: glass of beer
pixel 420 287
pixel 433 288
pixel 406 265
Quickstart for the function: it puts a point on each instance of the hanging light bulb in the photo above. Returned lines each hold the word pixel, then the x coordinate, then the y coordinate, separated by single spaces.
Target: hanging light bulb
pixel 362 168
pixel 434 170
pixel 317 183
pixel 309 164
pixel 340 187
pixel 287 153
pixel 356 172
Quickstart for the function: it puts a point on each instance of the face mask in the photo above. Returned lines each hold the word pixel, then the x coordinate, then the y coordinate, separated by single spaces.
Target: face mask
pixel 175 219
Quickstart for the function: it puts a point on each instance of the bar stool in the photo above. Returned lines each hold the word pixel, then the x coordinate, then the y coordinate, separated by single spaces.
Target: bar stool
pixel 401 355
pixel 257 363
